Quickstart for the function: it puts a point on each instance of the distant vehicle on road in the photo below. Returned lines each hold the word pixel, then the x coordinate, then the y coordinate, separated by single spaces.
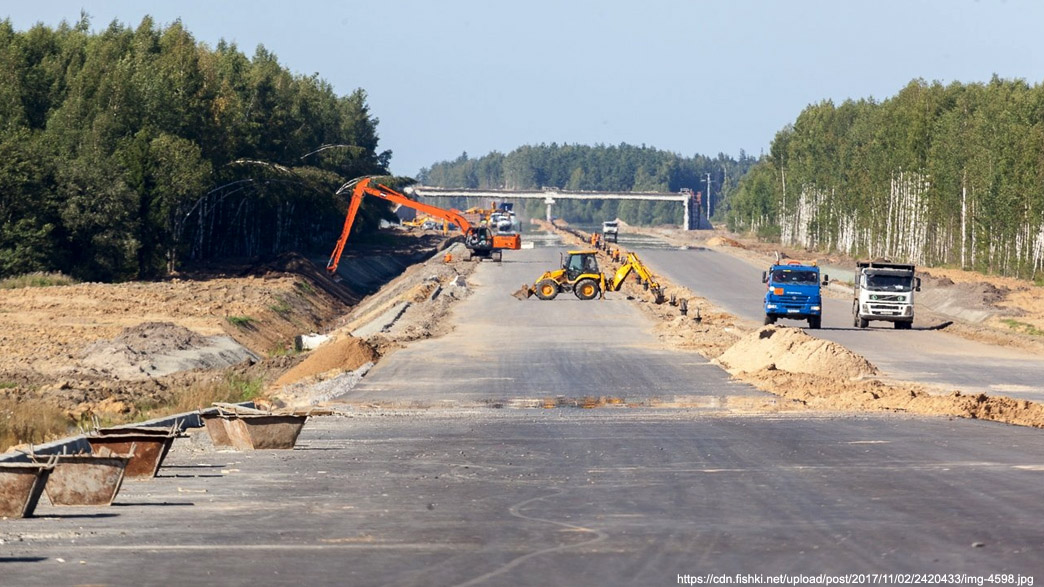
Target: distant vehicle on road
pixel 884 291
pixel 793 292
pixel 610 230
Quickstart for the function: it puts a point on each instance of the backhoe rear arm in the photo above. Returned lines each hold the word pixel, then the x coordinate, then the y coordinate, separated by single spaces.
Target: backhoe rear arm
pixel 632 264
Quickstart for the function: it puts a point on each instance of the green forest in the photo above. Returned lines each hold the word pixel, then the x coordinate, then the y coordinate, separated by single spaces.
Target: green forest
pixel 595 168
pixel 127 152
pixel 938 175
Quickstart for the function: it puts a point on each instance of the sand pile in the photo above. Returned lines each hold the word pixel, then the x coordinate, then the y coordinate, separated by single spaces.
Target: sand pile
pixel 346 354
pixel 150 338
pixel 790 349
pixel 721 241
pixel 155 349
pixel 825 393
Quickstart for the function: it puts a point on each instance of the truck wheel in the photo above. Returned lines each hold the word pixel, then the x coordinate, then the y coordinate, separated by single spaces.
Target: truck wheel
pixel 496 256
pixel 546 289
pixel 903 325
pixel 815 322
pixel 769 319
pixel 586 289
pixel 862 323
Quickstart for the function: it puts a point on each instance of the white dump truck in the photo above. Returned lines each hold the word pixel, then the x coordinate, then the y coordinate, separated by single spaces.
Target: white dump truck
pixel 884 291
pixel 610 230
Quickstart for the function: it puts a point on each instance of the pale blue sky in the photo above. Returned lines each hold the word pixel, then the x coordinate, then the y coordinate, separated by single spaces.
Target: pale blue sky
pixel 691 76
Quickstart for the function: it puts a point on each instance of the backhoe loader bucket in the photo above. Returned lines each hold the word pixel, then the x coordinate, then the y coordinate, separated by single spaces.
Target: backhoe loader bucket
pixel 524 292
pixel 21 485
pixel 86 479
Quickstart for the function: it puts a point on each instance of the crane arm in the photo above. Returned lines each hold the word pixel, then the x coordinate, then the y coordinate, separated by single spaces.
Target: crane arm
pixel 363 188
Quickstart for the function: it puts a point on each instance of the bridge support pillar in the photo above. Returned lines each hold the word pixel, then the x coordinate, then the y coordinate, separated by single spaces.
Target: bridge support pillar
pixel 691 205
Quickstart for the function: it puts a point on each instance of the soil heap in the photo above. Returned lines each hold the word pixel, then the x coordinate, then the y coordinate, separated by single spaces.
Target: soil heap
pixel 791 349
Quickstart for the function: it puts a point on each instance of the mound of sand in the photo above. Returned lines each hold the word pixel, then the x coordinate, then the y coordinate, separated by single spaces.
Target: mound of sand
pixel 721 241
pixel 155 349
pixel 345 354
pixel 149 338
pixel 790 349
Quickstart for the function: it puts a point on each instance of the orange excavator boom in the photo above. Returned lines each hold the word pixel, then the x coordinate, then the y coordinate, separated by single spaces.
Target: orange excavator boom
pixel 477 239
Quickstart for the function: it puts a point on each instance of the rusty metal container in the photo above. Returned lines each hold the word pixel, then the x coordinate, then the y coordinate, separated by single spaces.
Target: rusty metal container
pixel 217 429
pixel 146 451
pixel 86 479
pixel 151 430
pixel 20 487
pixel 268 431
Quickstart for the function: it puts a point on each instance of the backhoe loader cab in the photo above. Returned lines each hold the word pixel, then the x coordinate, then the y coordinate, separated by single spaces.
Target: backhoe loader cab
pixel 579 274
pixel 579 263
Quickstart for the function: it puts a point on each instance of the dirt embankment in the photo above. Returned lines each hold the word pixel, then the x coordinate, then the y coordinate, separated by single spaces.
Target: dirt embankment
pixel 413 306
pixel 120 350
pixel 811 372
pixel 108 349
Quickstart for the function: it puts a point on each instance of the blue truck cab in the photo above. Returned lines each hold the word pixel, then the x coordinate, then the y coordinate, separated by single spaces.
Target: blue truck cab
pixel 793 292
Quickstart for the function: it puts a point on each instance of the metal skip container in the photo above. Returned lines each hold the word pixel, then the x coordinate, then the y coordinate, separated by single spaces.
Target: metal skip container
pixel 146 447
pixel 86 480
pixel 21 485
pixel 216 428
pixel 268 431
pixel 251 429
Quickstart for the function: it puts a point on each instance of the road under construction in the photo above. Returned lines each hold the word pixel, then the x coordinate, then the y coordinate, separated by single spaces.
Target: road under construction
pixel 585 442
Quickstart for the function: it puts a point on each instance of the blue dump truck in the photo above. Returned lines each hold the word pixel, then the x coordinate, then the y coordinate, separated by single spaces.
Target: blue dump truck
pixel 793 292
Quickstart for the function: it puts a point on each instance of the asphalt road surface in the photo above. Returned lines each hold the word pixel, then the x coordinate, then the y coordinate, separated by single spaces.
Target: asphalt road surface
pixel 926 356
pixel 452 479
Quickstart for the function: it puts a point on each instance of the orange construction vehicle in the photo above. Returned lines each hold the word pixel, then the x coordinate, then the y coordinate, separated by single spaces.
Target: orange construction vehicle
pixel 479 241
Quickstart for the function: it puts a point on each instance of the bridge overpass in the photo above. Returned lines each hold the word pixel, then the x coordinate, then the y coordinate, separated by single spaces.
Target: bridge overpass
pixel 689 200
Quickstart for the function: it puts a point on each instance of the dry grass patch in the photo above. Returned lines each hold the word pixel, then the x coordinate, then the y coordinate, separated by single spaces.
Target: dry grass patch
pixel 30 421
pixel 36 279
pixel 230 388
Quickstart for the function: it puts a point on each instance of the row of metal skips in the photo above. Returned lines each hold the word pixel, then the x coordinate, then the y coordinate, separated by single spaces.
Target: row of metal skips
pixel 132 452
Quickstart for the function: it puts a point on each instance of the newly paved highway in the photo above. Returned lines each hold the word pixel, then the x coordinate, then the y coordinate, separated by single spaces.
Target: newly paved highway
pixel 451 479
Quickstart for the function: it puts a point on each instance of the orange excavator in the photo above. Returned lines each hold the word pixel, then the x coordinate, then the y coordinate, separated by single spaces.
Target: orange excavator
pixel 479 240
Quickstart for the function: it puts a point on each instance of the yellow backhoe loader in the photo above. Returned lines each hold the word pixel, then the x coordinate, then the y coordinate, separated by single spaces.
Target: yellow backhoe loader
pixel 580 275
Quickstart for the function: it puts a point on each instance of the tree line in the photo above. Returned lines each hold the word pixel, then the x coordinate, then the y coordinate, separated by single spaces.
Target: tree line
pixel 596 168
pixel 126 152
pixel 938 174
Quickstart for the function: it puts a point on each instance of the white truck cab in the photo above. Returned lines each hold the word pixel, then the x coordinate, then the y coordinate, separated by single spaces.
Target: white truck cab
pixel 884 291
